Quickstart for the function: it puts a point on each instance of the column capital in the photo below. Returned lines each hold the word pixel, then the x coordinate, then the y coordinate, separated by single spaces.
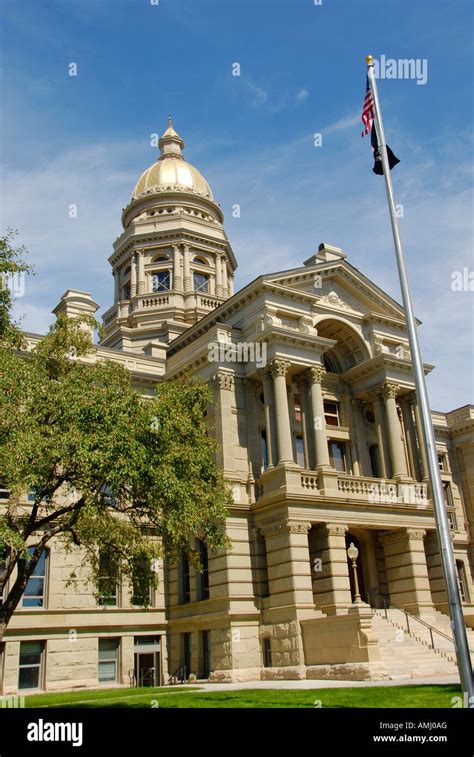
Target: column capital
pixel 336 529
pixel 315 374
pixel 286 527
pixel 223 380
pixel 405 534
pixel 279 367
pixel 390 390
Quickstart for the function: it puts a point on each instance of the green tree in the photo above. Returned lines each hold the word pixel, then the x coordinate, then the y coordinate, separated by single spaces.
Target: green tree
pixel 109 471
pixel 12 269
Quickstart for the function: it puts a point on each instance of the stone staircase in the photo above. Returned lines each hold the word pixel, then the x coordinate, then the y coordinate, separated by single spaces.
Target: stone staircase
pixel 409 654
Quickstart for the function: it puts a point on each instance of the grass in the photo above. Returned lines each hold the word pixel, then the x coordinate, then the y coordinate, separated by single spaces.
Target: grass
pixel 426 696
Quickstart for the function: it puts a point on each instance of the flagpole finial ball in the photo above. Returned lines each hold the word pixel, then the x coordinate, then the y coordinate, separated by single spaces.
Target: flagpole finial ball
pixel 369 59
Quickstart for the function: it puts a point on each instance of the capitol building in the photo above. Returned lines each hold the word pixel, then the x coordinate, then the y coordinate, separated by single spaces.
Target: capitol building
pixel 335 570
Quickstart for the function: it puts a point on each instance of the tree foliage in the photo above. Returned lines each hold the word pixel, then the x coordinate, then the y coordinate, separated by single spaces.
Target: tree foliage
pixel 110 472
pixel 12 267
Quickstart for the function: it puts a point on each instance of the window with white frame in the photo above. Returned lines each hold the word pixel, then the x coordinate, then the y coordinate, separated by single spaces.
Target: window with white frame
pixel 35 591
pixel 30 669
pixel 331 413
pixel 108 660
pixel 108 580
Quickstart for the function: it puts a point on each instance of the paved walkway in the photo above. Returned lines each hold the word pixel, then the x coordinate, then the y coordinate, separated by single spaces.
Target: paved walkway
pixel 319 684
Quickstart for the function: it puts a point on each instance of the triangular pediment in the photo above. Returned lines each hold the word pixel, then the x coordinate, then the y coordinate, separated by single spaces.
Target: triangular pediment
pixel 340 287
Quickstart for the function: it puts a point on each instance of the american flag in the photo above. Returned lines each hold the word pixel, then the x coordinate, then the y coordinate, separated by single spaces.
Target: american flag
pixel 367 111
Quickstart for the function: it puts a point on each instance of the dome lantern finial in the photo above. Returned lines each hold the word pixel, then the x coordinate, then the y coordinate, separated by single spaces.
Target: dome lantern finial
pixel 170 143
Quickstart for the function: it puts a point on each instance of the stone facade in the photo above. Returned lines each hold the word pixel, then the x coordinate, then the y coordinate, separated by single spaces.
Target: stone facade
pixel 319 434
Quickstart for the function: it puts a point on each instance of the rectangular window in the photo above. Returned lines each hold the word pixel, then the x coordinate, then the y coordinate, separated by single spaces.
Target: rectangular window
pixel 4 492
pixel 337 456
pixel 264 449
pixel 30 671
pixel 186 653
pixel 108 660
pixel 184 579
pixel 298 413
pixel 374 460
pixel 442 462
pixel 299 445
pixel 267 652
pixel 448 497
pixel 462 583
pixel 161 281
pixel 331 413
pixel 205 654
pixel 201 282
pixel 202 579
pixel 34 594
pixel 108 580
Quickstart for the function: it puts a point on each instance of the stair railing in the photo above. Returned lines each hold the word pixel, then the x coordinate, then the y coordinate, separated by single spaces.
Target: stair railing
pixel 408 615
pixel 179 674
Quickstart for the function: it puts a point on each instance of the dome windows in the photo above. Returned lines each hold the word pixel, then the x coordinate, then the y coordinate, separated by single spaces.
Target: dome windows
pixel 161 281
pixel 201 282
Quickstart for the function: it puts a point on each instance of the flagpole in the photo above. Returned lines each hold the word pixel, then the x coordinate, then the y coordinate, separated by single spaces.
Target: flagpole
pixel 441 517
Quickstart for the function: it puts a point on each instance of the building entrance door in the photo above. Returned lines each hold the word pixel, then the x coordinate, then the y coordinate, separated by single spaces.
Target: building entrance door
pixel 147 662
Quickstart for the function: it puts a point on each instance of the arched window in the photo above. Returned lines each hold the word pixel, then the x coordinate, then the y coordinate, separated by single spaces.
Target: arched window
pixel 200 261
pixel 161 281
pixel 201 282
pixel 160 259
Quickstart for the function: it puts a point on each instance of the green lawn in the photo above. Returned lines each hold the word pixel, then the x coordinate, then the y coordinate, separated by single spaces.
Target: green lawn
pixel 189 697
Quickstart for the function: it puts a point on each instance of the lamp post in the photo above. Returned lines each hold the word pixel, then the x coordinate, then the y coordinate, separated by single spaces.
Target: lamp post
pixel 353 554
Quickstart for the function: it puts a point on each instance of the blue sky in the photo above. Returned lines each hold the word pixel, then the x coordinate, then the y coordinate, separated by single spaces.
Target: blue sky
pixel 86 139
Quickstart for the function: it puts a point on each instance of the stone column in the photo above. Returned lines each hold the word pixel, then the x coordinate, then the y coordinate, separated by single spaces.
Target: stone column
pixel 365 468
pixel 224 277
pixel 188 287
pixel 133 276
pixel 407 572
pixel 116 275
pixel 315 375
pixel 230 283
pixel 270 425
pixel 279 369
pixel 290 590
pixel 289 569
pixel 177 278
pixel 380 431
pixel 219 292
pixel 331 583
pixel 399 468
pixel 141 272
pixel 224 419
pixel 410 435
pixel 212 284
pixel 421 444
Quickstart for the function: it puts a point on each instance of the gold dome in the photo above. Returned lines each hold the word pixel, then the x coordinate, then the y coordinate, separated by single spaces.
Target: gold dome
pixel 171 173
